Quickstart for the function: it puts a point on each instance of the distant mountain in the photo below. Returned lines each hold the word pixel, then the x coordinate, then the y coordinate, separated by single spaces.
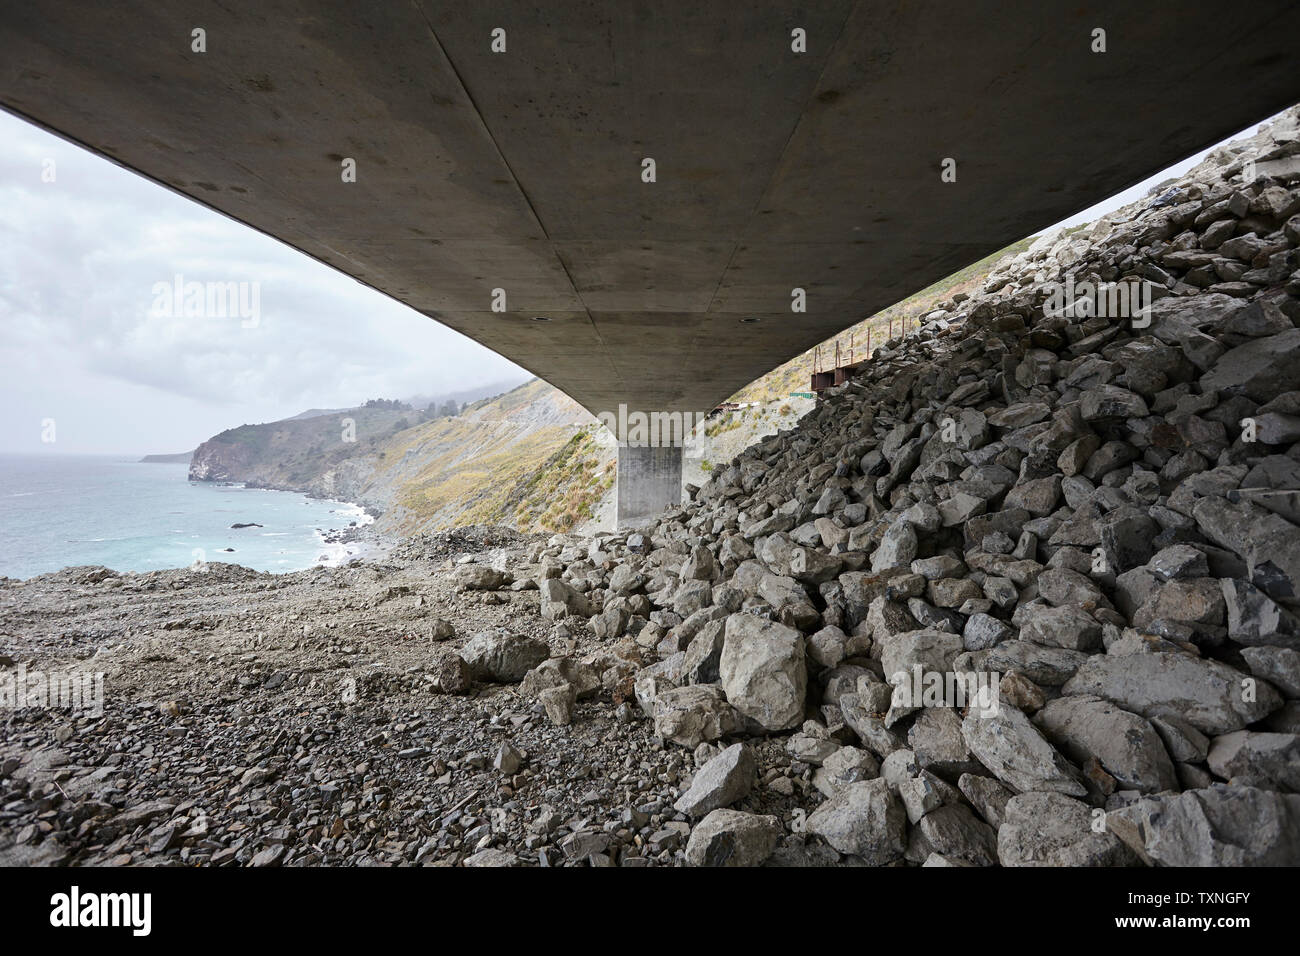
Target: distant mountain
pixel 531 458
pixel 180 458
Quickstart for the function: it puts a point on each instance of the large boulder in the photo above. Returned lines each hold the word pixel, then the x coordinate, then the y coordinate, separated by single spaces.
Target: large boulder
pixel 1126 745
pixel 1213 697
pixel 1215 826
pixel 1015 752
pixel 479 577
pixel 763 672
pixel 558 671
pixel 559 599
pixel 693 714
pixel 864 819
pixel 733 838
pixel 722 781
pixel 499 655
pixel 1268 761
pixel 1261 369
pixel 1051 829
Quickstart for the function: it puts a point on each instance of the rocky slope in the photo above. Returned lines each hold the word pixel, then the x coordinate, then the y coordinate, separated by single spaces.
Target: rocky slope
pixel 1098 513
pixel 1025 593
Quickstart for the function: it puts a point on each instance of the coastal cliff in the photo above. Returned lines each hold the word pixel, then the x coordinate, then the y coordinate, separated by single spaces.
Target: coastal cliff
pixel 529 458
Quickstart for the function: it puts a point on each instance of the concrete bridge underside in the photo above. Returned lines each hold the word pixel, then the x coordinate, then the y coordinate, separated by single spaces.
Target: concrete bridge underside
pixel 522 170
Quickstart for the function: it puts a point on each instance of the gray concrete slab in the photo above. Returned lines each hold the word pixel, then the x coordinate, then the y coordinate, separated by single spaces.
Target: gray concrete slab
pixel 522 170
pixel 649 482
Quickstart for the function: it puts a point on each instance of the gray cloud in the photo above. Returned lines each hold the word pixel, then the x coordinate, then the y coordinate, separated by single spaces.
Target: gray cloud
pixel 79 261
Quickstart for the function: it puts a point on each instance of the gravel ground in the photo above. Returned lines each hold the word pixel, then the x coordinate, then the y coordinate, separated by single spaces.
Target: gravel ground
pixel 297 719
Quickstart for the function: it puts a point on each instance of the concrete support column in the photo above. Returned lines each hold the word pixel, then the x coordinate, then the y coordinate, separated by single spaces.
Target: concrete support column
pixel 649 482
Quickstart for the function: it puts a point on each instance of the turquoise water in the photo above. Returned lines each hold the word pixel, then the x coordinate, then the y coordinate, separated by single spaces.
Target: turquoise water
pixel 61 510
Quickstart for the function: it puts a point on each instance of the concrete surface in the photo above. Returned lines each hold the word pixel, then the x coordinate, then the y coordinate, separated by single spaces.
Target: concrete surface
pixel 522 170
pixel 649 482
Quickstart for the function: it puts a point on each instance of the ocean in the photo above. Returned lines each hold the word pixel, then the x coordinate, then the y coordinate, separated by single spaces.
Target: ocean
pixel 62 510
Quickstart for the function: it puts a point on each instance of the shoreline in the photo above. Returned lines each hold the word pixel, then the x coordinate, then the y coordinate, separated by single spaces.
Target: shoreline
pixel 346 536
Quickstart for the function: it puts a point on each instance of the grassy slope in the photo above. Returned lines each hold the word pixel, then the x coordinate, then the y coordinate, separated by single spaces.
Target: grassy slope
pixel 527 458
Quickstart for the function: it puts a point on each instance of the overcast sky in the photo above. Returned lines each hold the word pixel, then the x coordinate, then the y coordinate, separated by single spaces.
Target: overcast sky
pixel 83 343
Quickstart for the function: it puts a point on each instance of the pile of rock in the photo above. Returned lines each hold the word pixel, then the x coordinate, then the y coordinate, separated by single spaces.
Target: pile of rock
pixel 1097 515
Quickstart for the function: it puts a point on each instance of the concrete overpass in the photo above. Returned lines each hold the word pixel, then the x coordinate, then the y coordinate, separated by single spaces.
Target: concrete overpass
pixel 522 169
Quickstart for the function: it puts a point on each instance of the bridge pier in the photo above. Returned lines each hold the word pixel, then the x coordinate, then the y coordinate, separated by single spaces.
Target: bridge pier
pixel 649 482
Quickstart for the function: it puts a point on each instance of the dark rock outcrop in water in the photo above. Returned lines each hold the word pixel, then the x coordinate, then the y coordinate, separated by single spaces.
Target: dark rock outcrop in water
pixel 1027 592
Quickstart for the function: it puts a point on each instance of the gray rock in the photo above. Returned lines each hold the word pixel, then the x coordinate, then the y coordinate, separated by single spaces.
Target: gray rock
pixel 721 782
pixel 897 547
pixel 1261 369
pixel 491 857
pixel 1052 829
pixel 922 793
pixel 982 631
pixel 1015 752
pixel 863 819
pixel 508 759
pixel 987 796
pixel 1184 742
pixel 1210 695
pixel 763 672
pixel 1255 619
pixel 557 671
pixel 559 599
pixel 1126 745
pixel 701 566
pixel 690 715
pixel 499 655
pixel 1046 666
pixel 929 649
pixel 1280 666
pixel 1267 761
pixel 478 577
pixel 704 654
pixel 869 725
pixel 936 741
pixel 733 838
pixel 954 833
pixel 559 701
pixel 1068 626
pixel 1110 402
pixel 846 765
pixel 1179 561
pixel 1215 826
pixel 828 647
